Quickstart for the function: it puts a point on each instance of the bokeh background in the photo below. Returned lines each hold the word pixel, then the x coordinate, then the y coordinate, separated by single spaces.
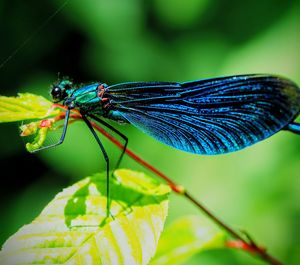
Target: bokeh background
pixel 257 189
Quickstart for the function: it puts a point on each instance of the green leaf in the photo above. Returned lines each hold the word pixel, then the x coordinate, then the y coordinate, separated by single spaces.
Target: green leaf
pixel 186 237
pixel 28 107
pixel 74 229
pixel 25 106
pixel 38 141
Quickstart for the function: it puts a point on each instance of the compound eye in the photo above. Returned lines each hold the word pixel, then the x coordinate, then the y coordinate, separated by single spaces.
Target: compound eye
pixel 56 93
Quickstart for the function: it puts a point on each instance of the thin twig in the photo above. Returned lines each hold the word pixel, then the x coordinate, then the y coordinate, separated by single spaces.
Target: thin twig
pixel 250 246
pixel 247 244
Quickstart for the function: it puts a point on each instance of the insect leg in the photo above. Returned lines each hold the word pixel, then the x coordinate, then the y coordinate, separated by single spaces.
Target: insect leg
pixel 124 137
pixel 88 123
pixel 293 127
pixel 62 138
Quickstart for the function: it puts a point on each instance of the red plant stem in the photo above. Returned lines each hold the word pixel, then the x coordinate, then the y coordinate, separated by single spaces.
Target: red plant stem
pixel 240 243
pixel 176 188
pixel 254 250
pixel 250 246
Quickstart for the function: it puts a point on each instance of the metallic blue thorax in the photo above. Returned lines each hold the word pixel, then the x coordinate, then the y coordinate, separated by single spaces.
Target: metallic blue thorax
pixel 87 99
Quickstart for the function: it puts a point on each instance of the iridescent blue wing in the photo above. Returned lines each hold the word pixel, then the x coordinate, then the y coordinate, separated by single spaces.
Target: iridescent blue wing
pixel 211 116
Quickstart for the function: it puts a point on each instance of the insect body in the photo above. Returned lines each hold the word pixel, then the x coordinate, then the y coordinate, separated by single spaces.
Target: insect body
pixel 210 116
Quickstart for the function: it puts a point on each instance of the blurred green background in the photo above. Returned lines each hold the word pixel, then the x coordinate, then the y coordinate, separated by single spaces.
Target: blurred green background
pixel 257 189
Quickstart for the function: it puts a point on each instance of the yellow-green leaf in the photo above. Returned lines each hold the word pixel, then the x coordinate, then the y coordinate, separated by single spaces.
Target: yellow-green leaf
pixel 25 106
pixel 73 227
pixel 186 237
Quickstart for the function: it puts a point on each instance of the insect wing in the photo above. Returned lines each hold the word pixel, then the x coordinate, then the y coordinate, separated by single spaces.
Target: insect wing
pixel 211 116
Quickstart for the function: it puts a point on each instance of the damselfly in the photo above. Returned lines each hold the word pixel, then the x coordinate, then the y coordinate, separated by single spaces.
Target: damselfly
pixel 209 116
